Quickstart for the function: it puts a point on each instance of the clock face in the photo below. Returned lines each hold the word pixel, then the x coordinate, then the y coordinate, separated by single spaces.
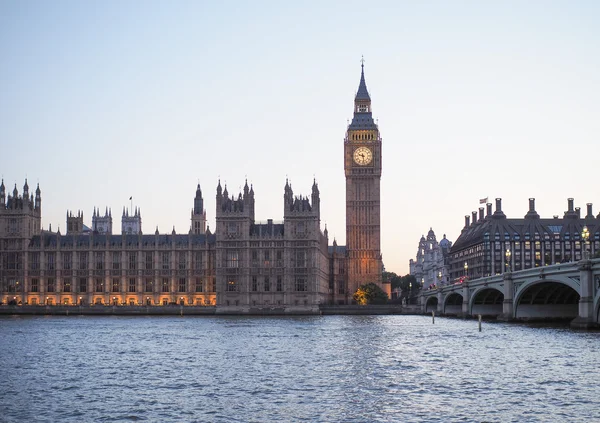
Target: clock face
pixel 363 156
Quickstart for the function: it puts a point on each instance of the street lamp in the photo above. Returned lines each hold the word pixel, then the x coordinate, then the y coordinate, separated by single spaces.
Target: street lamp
pixel 507 254
pixel 466 269
pixel 585 236
pixel 409 292
pixel 439 276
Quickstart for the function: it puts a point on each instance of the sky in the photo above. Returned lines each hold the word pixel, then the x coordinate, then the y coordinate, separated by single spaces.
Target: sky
pixel 103 101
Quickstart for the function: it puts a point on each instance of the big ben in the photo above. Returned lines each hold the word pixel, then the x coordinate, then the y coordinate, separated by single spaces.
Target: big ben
pixel 362 165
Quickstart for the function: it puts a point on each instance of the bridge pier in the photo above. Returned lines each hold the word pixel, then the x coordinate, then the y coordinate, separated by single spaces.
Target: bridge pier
pixel 508 309
pixel 466 299
pixel 440 304
pixel 585 319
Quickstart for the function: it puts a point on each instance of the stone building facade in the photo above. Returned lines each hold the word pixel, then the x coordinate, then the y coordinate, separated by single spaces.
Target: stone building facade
pixel 531 241
pixel 431 266
pixel 243 265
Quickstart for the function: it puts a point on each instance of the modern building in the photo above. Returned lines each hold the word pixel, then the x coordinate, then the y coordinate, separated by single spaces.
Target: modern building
pixel 431 266
pixel 243 265
pixel 491 243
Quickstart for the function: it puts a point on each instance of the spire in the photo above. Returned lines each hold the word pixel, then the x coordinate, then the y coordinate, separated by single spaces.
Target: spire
pixel 37 190
pixel 198 191
pixel 362 93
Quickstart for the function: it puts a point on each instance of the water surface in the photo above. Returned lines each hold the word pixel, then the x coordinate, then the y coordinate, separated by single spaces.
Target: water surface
pixel 294 369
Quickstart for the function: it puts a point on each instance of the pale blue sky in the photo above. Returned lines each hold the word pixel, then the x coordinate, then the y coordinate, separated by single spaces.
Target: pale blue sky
pixel 100 101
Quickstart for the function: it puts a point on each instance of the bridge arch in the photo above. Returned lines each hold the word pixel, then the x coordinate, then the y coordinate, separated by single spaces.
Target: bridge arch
pixel 431 304
pixel 486 301
pixel 453 304
pixel 547 299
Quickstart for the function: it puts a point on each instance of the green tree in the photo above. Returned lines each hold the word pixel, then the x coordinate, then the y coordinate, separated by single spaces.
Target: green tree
pixel 370 293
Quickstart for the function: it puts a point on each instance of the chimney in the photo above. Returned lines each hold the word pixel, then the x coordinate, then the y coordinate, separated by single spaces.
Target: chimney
pixel 474 214
pixel 578 212
pixel 532 213
pixel 467 221
pixel 570 203
pixel 499 213
pixel 489 210
pixel 481 215
pixel 590 214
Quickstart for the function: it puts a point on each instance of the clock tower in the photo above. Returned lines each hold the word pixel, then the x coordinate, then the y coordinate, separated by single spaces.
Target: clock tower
pixel 362 165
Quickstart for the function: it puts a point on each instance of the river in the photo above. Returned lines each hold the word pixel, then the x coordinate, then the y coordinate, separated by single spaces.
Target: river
pixel 294 369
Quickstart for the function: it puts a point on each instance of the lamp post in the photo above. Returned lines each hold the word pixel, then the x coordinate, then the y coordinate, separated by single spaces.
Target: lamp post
pixel 507 254
pixel 466 270
pixel 439 277
pixel 585 236
pixel 409 292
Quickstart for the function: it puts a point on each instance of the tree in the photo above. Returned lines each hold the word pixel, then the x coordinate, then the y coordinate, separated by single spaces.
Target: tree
pixel 370 293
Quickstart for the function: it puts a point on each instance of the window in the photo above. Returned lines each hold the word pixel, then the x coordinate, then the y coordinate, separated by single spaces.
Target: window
pixel 82 285
pixel 279 258
pixel 83 260
pixel 300 258
pixel 67 261
pixel 165 260
pixel 132 261
pixel 67 285
pixel 182 285
pixel 99 285
pixel 35 285
pixel 214 285
pixel 149 261
pixel 267 259
pixel 182 261
pixel 131 284
pixel 199 287
pixel 232 285
pixel 232 259
pixel 115 285
pixel 116 260
pixel 254 284
pixel 148 285
pixel 198 260
pixel 267 284
pixel 165 285
pixel 50 263
pixel 34 258
pixel 300 284
pixel 279 286
pixel 99 259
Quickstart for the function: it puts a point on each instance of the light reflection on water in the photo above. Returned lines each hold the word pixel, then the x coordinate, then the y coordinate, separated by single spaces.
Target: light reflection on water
pixel 312 369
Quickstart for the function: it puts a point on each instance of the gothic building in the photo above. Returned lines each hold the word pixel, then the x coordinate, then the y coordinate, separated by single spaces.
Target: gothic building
pixel 362 165
pixel 244 265
pixel 491 243
pixel 431 264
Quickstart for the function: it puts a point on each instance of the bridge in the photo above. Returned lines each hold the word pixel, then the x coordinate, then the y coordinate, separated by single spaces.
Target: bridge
pixel 561 291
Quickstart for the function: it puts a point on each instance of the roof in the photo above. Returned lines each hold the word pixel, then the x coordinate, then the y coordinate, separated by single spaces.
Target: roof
pixel 524 230
pixel 266 229
pixel 338 249
pixel 362 93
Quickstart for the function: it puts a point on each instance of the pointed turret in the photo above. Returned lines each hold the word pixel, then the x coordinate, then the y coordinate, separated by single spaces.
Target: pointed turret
pixel 25 189
pixel 362 94
pixel 2 193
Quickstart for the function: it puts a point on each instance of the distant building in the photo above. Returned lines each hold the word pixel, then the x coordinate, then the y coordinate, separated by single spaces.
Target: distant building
pixel 531 241
pixel 431 264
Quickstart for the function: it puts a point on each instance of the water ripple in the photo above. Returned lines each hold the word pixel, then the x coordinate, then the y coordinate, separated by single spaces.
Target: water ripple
pixel 301 369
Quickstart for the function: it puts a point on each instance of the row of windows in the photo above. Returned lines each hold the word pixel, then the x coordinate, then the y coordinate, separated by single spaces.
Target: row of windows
pixel 300 285
pixel 196 285
pixel 99 261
